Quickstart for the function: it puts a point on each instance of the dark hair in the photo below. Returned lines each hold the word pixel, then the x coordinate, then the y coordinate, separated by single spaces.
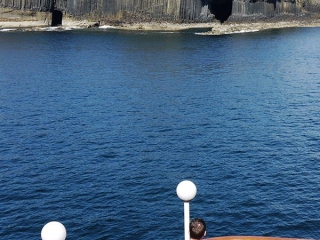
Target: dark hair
pixel 197 228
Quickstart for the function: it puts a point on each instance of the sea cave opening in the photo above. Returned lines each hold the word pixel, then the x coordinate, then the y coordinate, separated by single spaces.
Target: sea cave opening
pixel 56 18
pixel 222 9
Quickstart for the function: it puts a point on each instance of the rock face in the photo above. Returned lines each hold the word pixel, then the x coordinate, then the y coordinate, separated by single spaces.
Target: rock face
pixel 41 6
pixel 270 8
pixel 311 5
pixel 162 10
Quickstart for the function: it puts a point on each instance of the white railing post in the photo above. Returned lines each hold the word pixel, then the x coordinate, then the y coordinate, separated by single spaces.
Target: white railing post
pixel 53 231
pixel 186 191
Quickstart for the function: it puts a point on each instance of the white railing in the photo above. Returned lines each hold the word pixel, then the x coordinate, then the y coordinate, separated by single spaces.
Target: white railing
pixel 186 191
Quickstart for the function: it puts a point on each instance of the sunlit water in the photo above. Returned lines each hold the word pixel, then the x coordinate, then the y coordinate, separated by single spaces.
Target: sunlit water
pixel 97 129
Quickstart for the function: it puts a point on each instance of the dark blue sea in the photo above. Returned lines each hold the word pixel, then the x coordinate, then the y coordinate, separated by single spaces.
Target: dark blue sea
pixel 98 127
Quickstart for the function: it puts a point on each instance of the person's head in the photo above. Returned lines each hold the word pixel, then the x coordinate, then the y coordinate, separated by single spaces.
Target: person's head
pixel 197 228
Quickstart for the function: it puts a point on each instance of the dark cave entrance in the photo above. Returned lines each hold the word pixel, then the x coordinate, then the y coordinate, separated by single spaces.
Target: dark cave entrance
pixel 56 18
pixel 222 9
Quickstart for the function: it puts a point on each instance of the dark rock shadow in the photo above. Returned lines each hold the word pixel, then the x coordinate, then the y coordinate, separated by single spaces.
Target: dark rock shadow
pixel 221 9
pixel 274 2
pixel 56 18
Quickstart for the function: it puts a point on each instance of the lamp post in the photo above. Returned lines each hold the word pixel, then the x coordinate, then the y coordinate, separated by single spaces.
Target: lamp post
pixel 186 191
pixel 53 231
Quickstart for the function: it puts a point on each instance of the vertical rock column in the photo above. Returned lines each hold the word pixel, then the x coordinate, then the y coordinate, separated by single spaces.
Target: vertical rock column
pixel 287 7
pixel 258 7
pixel 147 9
pixel 268 8
pixel 312 6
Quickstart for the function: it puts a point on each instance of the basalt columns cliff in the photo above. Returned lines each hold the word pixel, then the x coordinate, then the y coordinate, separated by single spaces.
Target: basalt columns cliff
pixel 156 10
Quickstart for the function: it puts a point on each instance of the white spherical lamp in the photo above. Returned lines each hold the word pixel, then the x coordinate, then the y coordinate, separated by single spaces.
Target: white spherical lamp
pixel 53 231
pixel 186 190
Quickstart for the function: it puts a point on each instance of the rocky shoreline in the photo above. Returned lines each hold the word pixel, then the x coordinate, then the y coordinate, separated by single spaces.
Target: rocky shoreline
pixel 227 27
pixel 231 26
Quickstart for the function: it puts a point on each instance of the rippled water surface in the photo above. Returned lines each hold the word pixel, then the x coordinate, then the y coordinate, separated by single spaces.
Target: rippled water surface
pixel 97 129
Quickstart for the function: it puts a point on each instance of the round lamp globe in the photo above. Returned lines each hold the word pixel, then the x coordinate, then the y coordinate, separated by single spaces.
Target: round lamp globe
pixel 53 231
pixel 186 190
